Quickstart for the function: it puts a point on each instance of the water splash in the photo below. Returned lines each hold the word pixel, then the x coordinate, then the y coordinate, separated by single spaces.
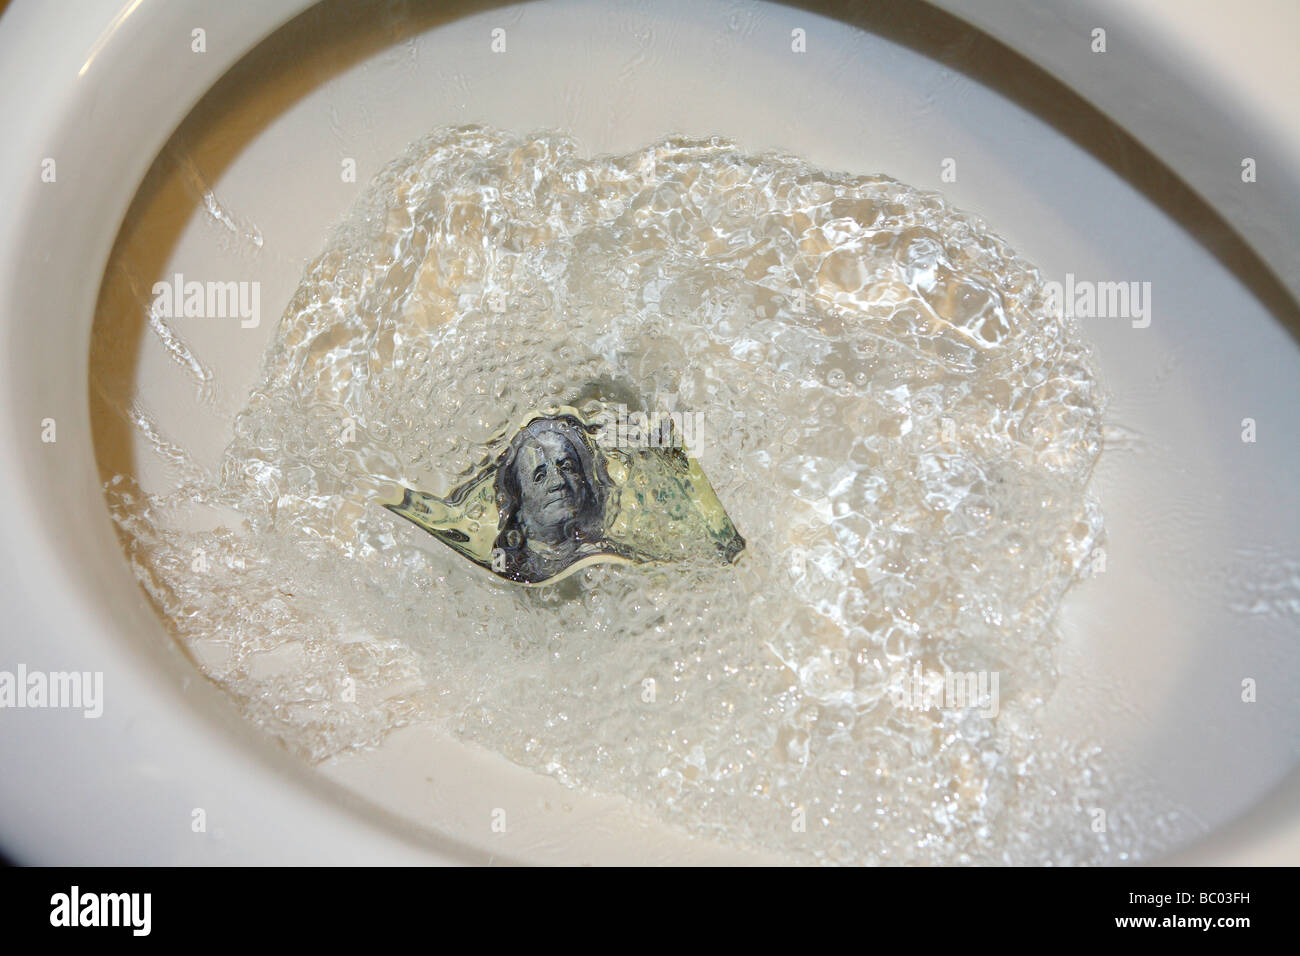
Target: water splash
pixel 899 425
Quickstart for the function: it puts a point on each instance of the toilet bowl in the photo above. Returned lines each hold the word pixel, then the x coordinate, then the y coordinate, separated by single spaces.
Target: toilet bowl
pixel 1122 164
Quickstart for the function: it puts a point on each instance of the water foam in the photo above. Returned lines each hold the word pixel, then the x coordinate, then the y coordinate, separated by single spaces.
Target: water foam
pixel 896 421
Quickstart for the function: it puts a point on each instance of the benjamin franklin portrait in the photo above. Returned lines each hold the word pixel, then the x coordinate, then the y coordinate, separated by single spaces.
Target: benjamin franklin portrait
pixel 551 487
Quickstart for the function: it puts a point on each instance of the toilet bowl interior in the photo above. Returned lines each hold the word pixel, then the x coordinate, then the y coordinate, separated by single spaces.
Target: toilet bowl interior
pixel 1200 576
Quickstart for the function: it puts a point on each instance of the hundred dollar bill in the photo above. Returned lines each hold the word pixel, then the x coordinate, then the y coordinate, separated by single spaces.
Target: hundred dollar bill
pixel 558 499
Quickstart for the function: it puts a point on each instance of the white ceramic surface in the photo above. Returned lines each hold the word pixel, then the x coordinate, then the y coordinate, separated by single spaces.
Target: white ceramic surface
pixel 1153 648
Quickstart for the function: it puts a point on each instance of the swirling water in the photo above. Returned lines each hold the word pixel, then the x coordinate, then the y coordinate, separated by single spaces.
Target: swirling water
pixel 895 419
